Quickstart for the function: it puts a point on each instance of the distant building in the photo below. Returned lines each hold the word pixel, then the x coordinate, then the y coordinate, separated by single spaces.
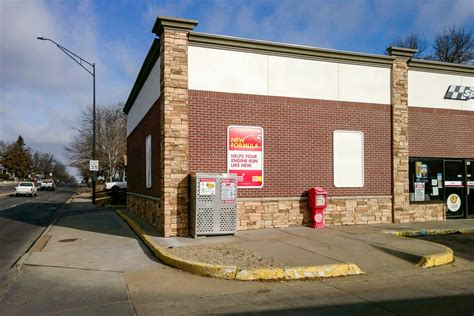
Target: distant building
pixel 390 137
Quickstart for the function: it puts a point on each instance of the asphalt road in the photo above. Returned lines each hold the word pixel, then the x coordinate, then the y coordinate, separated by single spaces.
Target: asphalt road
pixel 22 221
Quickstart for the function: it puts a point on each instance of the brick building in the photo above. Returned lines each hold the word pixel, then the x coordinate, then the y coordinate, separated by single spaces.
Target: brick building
pixel 390 137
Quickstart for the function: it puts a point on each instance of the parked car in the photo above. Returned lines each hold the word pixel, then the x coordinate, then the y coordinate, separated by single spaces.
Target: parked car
pixel 115 186
pixel 26 188
pixel 48 184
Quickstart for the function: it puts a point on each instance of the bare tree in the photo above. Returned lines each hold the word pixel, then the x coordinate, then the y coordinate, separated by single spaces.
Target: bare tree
pixel 3 148
pixel 412 41
pixel 46 164
pixel 110 141
pixel 454 45
pixel 79 151
pixel 112 138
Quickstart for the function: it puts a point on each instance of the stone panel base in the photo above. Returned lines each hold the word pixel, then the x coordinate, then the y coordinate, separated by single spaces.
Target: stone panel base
pixel 426 212
pixel 358 210
pixel 150 209
pixel 266 213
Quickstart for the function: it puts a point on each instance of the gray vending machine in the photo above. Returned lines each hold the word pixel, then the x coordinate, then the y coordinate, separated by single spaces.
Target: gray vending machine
pixel 213 204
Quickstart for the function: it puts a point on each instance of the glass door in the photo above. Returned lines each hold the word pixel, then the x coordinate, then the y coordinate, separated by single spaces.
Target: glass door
pixel 470 187
pixel 454 188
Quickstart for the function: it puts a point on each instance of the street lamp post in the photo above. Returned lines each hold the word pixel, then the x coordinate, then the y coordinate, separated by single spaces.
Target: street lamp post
pixel 80 62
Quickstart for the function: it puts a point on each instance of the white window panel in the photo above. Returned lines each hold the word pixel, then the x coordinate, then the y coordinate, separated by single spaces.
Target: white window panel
pixel 348 159
pixel 148 161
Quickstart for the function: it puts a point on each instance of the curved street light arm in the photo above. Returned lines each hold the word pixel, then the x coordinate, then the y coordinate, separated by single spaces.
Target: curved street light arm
pixel 79 60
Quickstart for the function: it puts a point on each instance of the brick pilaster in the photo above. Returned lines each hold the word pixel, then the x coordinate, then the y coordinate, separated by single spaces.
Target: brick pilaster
pixel 400 178
pixel 174 123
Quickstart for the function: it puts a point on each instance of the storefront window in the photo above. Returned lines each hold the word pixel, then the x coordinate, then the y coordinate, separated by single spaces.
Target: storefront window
pixel 426 179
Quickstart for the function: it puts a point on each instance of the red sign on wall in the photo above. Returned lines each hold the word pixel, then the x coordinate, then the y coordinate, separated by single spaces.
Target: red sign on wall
pixel 245 155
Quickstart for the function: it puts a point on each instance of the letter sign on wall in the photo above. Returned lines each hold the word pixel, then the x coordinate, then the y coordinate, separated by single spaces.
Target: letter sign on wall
pixel 245 155
pixel 459 93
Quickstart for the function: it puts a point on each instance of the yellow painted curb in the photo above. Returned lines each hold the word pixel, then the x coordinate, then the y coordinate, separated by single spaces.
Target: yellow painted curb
pixel 233 272
pixel 297 273
pixel 433 260
pixel 437 259
pixel 217 271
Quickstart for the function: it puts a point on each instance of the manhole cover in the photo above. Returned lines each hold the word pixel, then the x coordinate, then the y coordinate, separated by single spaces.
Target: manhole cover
pixel 68 240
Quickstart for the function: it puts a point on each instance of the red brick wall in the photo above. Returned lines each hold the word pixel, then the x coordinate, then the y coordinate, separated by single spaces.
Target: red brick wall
pixel 298 140
pixel 440 133
pixel 149 125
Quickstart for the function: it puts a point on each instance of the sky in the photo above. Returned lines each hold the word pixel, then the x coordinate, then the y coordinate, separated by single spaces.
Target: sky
pixel 43 92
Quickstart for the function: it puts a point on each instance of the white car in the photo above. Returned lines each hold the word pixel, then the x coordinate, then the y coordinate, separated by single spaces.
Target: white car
pixel 116 185
pixel 26 188
pixel 48 184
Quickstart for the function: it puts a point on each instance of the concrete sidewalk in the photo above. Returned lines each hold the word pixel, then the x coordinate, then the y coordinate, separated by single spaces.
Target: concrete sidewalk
pixel 302 252
pixel 86 237
pixel 77 266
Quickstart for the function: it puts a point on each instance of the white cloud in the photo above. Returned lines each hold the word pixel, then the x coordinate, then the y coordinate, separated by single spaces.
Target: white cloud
pixel 177 8
pixel 317 23
pixel 42 91
pixel 338 24
pixel 24 60
pixel 435 16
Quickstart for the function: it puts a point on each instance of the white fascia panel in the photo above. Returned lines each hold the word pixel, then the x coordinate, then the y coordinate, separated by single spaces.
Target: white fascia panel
pixel 469 82
pixel 366 84
pixel 148 95
pixel 302 78
pixel 227 71
pixel 427 89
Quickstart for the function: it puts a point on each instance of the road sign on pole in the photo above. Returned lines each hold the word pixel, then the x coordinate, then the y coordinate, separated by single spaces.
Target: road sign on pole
pixel 94 165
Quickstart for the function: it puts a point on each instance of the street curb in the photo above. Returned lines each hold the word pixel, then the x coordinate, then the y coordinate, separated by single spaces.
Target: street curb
pixel 217 271
pixel 234 272
pixel 437 259
pixel 298 273
pixel 430 232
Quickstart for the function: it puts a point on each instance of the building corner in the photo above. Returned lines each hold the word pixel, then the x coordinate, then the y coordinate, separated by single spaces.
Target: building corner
pixel 399 113
pixel 174 122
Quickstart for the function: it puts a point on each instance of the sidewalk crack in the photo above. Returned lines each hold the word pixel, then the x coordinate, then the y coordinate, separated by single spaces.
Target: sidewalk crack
pixel 73 268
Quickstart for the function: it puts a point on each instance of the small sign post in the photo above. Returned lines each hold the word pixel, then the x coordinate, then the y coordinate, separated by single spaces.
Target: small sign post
pixel 94 165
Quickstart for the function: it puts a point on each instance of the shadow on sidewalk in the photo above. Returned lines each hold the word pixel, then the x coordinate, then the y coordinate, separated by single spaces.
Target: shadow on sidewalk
pixel 407 256
pixel 83 216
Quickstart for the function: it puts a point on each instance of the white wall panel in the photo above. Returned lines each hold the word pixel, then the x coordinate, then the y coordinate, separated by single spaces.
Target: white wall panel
pixel 302 78
pixel 364 84
pixel 227 71
pixel 348 147
pixel 249 73
pixel 427 89
pixel 148 95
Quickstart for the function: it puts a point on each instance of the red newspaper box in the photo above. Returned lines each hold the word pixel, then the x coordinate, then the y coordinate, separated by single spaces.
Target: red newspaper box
pixel 317 200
